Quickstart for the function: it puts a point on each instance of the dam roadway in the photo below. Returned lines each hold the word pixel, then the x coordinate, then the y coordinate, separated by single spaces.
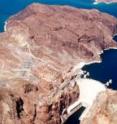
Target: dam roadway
pixel 89 90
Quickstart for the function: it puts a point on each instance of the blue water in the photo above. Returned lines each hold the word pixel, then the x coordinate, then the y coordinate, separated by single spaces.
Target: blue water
pixel 106 70
pixel 74 118
pixel 115 38
pixel 103 71
pixel 10 7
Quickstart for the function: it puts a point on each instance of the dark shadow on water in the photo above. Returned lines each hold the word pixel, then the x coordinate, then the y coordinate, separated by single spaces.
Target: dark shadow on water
pixel 74 119
pixel 115 38
pixel 105 70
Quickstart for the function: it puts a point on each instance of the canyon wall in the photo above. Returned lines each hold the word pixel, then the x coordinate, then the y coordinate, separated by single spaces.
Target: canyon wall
pixel 104 109
pixel 38 54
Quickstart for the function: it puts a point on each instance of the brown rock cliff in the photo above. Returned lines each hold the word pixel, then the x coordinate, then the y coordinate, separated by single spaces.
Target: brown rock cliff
pixel 38 51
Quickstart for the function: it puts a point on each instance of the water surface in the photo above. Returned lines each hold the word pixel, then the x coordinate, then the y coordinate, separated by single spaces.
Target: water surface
pixel 10 7
pixel 103 71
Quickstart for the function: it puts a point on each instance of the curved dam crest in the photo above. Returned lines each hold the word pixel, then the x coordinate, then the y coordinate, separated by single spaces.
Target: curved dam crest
pixel 103 71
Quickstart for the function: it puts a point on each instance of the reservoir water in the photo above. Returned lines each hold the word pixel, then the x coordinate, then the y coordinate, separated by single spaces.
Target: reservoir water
pixel 8 7
pixel 103 71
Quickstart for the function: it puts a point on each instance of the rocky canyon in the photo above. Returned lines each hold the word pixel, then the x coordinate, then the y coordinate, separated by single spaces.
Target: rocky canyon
pixel 39 52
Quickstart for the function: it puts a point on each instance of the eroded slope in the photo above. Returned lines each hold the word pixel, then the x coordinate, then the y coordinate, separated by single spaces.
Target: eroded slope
pixel 38 53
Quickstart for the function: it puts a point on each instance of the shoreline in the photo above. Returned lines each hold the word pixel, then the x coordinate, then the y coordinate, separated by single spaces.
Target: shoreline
pixel 98 2
pixel 98 61
pixel 5 26
pixel 82 64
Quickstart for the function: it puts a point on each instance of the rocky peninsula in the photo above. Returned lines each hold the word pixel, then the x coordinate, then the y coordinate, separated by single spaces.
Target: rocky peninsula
pixel 105 1
pixel 40 51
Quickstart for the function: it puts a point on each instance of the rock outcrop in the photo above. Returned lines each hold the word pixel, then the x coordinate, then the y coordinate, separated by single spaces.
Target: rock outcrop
pixel 38 53
pixel 105 1
pixel 104 110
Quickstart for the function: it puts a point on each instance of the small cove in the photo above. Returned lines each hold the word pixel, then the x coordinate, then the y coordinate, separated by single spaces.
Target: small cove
pixel 115 38
pixel 105 70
